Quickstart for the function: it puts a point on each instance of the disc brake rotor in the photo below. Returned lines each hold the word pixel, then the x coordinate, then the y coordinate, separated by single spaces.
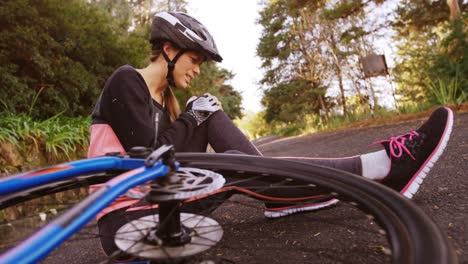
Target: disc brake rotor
pixel 186 183
pixel 205 233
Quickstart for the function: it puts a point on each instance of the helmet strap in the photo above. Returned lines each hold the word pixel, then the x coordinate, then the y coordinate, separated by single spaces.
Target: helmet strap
pixel 171 66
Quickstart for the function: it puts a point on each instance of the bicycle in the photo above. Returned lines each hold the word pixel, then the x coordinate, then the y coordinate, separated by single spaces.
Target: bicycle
pixel 171 235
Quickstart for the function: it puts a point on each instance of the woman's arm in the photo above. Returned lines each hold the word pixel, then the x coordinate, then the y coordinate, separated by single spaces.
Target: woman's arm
pixel 125 105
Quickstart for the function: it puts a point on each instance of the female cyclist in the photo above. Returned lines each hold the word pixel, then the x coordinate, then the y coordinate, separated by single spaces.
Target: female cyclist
pixel 138 108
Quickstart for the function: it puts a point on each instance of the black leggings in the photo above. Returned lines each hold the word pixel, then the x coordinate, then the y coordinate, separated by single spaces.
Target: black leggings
pixel 221 133
pixel 223 136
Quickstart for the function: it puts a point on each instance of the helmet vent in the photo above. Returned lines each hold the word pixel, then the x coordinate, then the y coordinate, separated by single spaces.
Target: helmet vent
pixel 200 34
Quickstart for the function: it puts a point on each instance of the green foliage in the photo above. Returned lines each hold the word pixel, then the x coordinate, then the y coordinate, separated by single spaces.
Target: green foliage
pixel 352 34
pixel 57 135
pixel 450 63
pixel 290 101
pixel 308 47
pixel 120 10
pixel 447 91
pixel 212 79
pixel 138 12
pixel 318 43
pixel 420 15
pixel 254 126
pixel 55 58
pixel 432 50
pixel 343 9
pixel 279 48
pixel 413 107
pixel 66 50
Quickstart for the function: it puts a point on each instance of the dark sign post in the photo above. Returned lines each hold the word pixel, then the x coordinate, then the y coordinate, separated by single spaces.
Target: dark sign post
pixel 374 65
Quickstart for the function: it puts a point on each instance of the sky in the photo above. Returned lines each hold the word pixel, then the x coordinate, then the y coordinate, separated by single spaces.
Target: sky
pixel 233 26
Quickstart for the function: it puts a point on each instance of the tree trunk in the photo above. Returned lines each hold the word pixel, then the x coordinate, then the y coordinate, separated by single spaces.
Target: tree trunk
pixel 339 72
pixel 343 98
pixel 374 98
pixel 454 9
pixel 324 110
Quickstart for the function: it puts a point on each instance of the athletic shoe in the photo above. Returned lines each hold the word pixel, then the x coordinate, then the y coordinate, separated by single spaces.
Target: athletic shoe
pixel 412 155
pixel 275 210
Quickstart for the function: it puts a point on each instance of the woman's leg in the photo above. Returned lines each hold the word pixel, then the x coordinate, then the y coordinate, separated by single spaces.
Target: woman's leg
pixel 349 164
pixel 223 135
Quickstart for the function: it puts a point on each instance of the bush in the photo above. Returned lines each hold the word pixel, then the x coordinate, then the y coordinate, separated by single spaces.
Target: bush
pixel 39 143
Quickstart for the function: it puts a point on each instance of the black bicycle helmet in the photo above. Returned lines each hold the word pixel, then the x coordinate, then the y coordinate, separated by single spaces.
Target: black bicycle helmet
pixel 184 31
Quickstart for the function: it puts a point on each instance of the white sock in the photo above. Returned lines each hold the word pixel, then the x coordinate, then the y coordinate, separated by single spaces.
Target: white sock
pixel 375 165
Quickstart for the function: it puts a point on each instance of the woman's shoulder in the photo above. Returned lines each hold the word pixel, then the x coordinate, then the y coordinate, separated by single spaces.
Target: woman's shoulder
pixel 124 75
pixel 125 79
pixel 125 70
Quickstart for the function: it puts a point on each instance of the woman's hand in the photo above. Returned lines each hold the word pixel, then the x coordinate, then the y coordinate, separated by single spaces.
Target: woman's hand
pixel 203 107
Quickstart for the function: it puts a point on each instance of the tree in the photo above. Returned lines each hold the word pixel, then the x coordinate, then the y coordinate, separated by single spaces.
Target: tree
pixel 431 47
pixel 120 10
pixel 212 79
pixel 289 57
pixel 319 42
pixel 139 13
pixel 59 54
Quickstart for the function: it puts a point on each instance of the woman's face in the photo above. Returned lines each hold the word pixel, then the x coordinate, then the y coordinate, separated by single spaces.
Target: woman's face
pixel 186 68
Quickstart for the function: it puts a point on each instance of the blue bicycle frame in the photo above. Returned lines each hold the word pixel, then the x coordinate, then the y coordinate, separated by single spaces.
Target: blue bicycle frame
pixel 53 234
pixel 63 171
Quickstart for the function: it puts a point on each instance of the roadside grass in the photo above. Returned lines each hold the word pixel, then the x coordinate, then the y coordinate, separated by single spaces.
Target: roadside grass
pixel 313 124
pixel 446 92
pixel 58 137
pixel 379 117
pixel 392 117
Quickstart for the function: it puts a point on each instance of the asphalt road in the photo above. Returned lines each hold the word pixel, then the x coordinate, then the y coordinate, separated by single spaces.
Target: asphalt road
pixel 443 195
pixel 340 234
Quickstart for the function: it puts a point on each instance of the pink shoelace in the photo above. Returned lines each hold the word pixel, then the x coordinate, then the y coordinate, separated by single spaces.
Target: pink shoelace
pixel 397 144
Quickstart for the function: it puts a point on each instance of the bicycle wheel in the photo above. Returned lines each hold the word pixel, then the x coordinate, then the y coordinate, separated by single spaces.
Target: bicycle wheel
pixel 407 229
pixel 413 236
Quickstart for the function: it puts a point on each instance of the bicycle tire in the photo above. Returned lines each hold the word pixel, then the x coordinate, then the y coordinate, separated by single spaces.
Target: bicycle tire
pixel 413 236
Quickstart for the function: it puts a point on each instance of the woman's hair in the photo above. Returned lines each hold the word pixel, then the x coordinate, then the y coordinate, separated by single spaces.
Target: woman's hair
pixel 170 100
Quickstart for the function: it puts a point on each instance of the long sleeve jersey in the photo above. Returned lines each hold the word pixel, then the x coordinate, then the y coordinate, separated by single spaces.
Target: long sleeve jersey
pixel 127 106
